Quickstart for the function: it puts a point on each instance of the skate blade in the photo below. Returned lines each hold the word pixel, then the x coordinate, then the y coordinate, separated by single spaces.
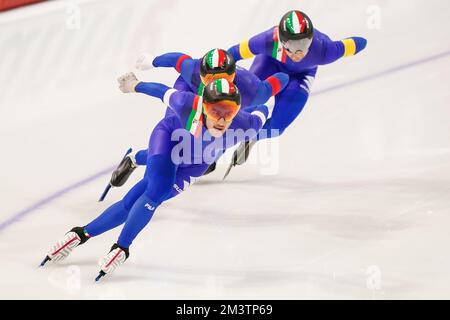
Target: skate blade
pixel 46 259
pixel 100 275
pixel 238 160
pixel 105 192
pixel 228 171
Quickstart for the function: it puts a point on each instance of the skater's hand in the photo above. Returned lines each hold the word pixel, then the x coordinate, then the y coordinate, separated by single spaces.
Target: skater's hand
pixel 145 62
pixel 128 82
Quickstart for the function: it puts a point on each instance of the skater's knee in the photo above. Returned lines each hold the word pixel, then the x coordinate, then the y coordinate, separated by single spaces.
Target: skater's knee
pixel 128 202
pixel 160 178
pixel 159 189
pixel 158 194
pixel 134 194
pixel 147 202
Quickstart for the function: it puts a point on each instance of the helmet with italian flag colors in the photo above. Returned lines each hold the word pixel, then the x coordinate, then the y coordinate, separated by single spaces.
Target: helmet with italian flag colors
pixel 217 63
pixel 296 31
pixel 221 100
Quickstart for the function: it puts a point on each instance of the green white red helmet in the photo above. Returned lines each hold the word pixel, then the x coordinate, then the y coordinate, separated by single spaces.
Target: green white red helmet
pixel 296 31
pixel 221 99
pixel 217 63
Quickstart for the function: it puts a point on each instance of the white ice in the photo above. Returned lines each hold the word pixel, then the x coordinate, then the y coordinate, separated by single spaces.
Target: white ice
pixel 359 205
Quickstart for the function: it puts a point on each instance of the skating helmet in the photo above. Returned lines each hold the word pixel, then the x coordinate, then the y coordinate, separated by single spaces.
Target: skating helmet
pixel 221 99
pixel 296 31
pixel 217 63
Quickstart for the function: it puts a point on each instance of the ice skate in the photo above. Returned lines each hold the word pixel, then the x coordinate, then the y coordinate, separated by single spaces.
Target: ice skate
pixel 123 171
pixel 210 169
pixel 116 257
pixel 121 174
pixel 240 155
pixel 62 248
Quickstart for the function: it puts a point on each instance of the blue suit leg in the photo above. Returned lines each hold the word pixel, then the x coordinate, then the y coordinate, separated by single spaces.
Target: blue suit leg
pixel 116 214
pixel 185 177
pixel 120 212
pixel 160 178
pixel 159 140
pixel 288 105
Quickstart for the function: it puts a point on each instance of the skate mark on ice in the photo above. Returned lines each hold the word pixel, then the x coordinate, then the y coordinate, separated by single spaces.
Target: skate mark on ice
pixel 24 212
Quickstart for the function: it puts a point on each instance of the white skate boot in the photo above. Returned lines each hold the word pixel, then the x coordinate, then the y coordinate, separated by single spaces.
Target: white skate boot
pixel 116 257
pixel 61 249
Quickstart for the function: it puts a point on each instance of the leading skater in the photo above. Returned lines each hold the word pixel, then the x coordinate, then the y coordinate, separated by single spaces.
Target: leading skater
pixel 175 158
pixel 294 47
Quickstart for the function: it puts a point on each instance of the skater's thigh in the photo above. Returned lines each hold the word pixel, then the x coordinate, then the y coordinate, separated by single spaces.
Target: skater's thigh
pixel 286 100
pixel 160 175
pixel 289 104
pixel 161 138
pixel 185 177
pixel 293 97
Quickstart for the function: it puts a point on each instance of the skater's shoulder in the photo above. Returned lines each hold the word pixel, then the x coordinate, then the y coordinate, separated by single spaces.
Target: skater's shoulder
pixel 181 98
pixel 320 38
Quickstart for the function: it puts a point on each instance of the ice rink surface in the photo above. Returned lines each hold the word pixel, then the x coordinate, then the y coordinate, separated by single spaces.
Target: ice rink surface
pixel 354 204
